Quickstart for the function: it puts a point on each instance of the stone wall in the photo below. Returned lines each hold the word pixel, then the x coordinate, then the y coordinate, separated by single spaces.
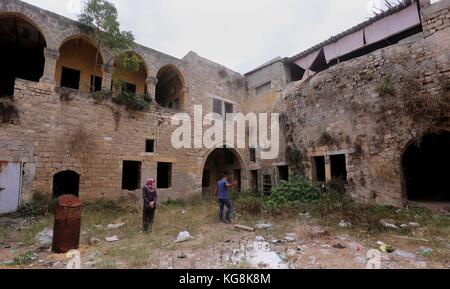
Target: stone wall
pixel 72 132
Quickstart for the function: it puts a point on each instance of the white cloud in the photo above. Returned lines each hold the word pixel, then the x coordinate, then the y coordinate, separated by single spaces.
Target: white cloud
pixel 240 34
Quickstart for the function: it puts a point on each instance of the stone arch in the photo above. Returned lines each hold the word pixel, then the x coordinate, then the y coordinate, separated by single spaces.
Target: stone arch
pixel 75 65
pixel 424 167
pixel 216 163
pixel 22 46
pixel 137 81
pixel 35 21
pixel 170 88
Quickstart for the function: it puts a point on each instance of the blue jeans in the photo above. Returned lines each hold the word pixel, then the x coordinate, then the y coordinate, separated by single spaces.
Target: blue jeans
pixel 227 203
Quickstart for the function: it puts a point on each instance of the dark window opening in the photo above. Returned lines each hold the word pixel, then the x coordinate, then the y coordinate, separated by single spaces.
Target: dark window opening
pixel 169 88
pixel 267 185
pixel 97 83
pixel 150 146
pixel 283 173
pixel 296 72
pixel 237 177
pixel 130 88
pixel 320 64
pixel 66 183
pixel 217 106
pixel 425 168
pixel 338 167
pixel 319 165
pixel 70 78
pixel 229 108
pixel 254 175
pixel 131 175
pixel 252 155
pixel 206 180
pixel 164 175
pixel 21 53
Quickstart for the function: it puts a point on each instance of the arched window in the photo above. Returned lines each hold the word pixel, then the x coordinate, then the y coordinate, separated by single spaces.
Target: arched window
pixel 77 68
pixel 170 88
pixel 21 52
pixel 135 82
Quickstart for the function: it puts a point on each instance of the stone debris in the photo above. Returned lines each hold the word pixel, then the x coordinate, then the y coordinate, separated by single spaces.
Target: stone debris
pixel 112 239
pixel 260 238
pixel 339 246
pixel 405 254
pixel 115 226
pixel 45 237
pixel 183 237
pixel 344 224
pixel 389 224
pixel 264 226
pixel 94 242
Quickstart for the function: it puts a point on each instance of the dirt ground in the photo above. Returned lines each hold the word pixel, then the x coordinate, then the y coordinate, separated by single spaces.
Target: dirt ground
pixel 298 242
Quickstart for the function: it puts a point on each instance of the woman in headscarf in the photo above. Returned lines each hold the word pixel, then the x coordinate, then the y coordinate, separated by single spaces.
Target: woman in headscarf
pixel 150 198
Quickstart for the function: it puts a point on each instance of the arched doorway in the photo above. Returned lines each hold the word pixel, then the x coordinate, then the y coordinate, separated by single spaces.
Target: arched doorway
pixel 66 183
pixel 21 52
pixel 170 88
pixel 134 81
pixel 221 161
pixel 76 67
pixel 425 168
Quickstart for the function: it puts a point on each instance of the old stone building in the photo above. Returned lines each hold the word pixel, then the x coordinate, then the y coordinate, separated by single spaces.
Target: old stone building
pixel 353 108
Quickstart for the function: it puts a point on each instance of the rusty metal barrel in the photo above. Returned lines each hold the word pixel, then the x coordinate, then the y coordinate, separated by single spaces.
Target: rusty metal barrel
pixel 66 231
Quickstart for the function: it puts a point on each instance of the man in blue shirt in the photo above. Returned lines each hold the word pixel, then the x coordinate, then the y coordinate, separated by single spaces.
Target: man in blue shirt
pixel 224 200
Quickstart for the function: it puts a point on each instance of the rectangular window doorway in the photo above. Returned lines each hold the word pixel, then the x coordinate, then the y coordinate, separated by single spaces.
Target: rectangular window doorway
pixel 319 165
pixel 70 78
pixel 283 173
pixel 131 175
pixel 338 167
pixel 164 175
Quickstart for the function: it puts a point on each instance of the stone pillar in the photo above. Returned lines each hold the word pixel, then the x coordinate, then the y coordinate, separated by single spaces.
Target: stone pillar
pixel 151 86
pixel 328 175
pixel 51 57
pixel 107 76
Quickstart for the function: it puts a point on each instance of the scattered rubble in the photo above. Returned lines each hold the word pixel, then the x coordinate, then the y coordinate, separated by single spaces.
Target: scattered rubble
pixel 339 246
pixel 405 254
pixel 389 224
pixel 94 242
pixel 112 239
pixel 183 237
pixel 262 226
pixel 115 226
pixel 260 239
pixel 45 237
pixel 344 224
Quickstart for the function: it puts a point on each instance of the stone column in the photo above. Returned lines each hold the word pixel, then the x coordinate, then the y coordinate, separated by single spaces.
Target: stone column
pixel 51 57
pixel 107 76
pixel 151 86
pixel 328 175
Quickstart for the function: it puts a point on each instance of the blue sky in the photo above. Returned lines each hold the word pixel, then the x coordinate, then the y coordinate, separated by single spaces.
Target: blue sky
pixel 240 34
